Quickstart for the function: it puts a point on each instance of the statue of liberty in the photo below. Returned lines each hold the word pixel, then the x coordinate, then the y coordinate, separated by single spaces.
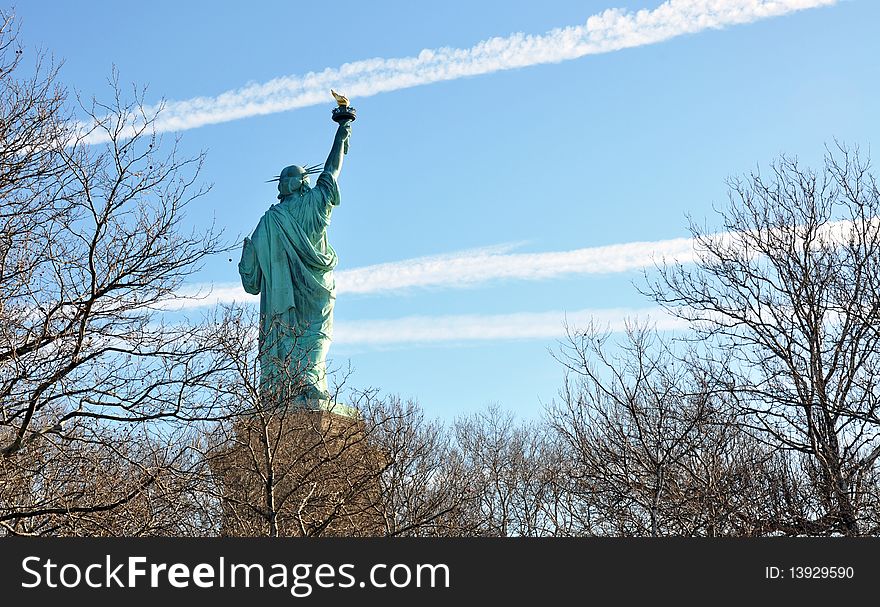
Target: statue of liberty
pixel 289 263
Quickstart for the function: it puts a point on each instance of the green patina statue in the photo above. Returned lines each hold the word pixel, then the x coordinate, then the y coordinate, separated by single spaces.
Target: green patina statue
pixel 289 263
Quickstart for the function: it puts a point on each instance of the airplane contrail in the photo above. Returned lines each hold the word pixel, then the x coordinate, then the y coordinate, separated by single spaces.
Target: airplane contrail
pixel 611 30
pixel 473 267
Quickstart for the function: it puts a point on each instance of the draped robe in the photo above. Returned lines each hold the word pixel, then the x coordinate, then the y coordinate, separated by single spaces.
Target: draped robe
pixel 289 263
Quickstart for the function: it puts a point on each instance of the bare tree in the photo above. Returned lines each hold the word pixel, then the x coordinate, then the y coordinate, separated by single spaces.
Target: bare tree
pixel 786 301
pixel 511 475
pixel 656 446
pixel 126 482
pixel 93 244
pixel 423 487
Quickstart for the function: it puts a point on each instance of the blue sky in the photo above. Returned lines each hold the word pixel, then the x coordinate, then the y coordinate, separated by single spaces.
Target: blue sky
pixel 479 211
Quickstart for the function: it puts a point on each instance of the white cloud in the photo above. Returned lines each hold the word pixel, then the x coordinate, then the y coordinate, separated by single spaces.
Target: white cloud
pixel 475 266
pixel 610 30
pixel 469 268
pixel 479 327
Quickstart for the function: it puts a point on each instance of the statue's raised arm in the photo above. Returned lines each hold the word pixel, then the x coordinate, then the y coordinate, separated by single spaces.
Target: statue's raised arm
pixel 339 149
pixel 344 115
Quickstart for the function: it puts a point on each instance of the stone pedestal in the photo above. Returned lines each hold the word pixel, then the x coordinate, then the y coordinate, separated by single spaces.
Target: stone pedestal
pixel 300 472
